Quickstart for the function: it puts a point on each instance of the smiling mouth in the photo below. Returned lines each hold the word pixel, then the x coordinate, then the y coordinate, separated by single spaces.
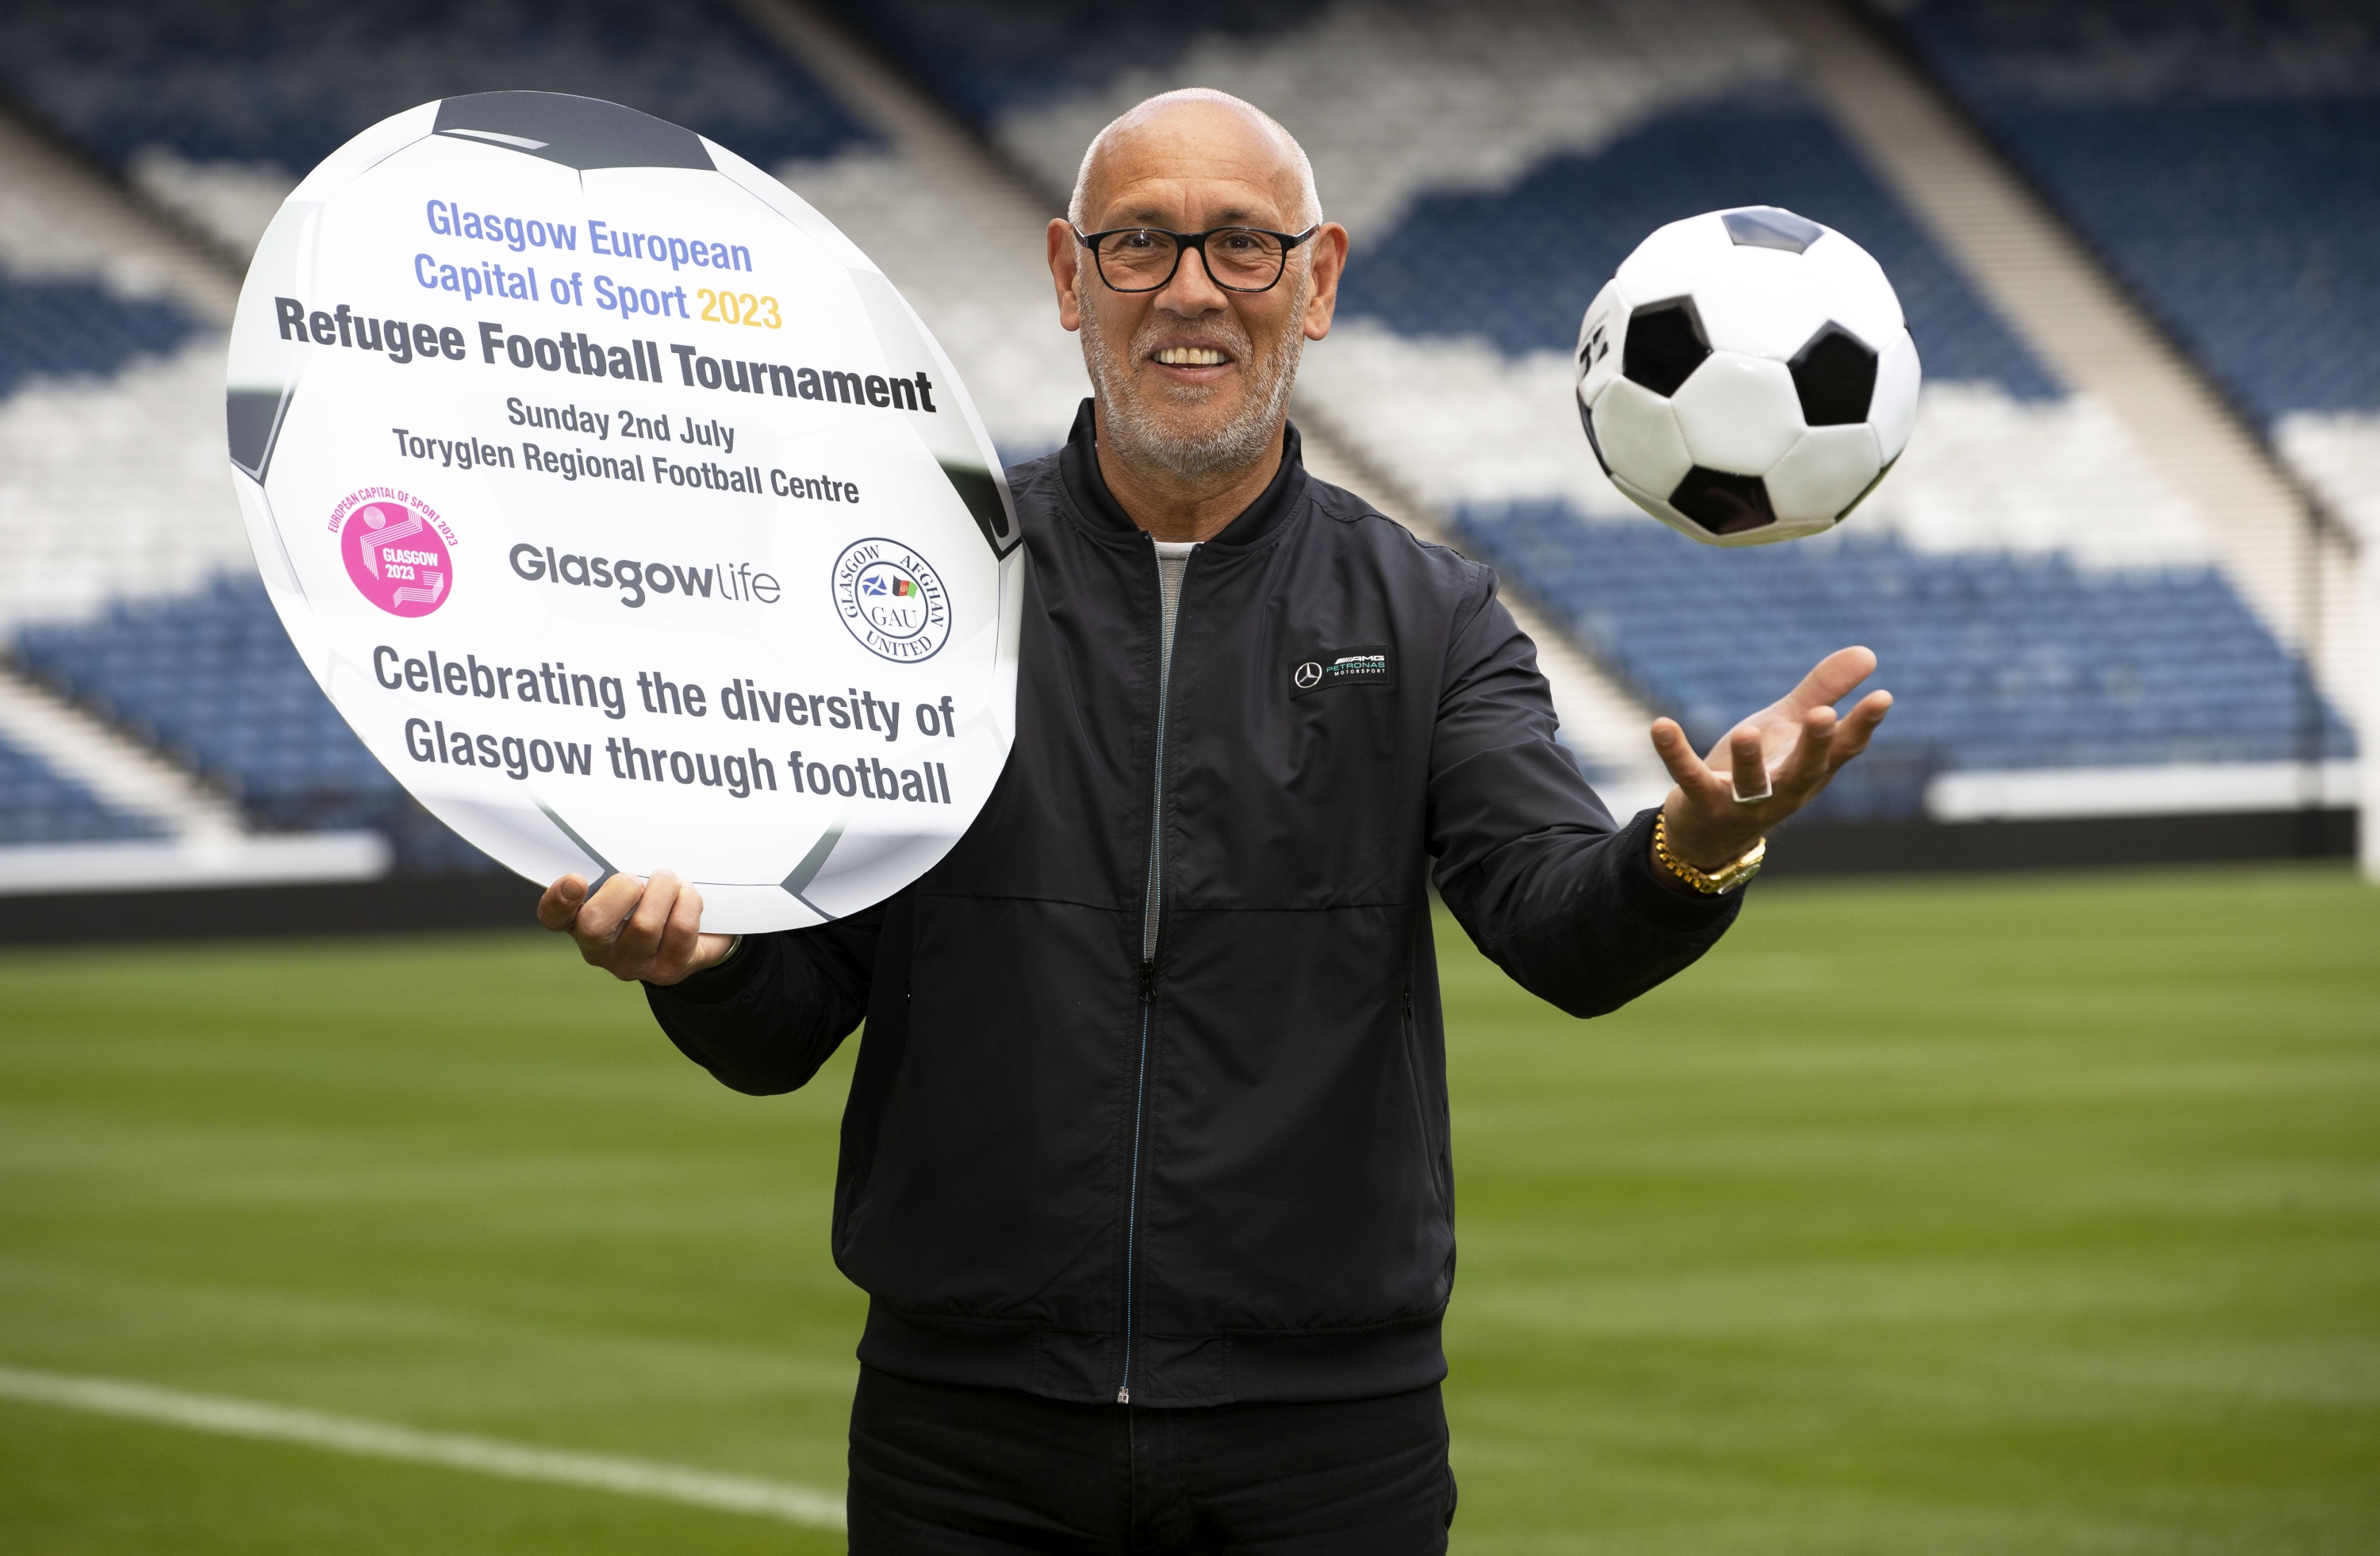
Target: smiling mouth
pixel 1192 357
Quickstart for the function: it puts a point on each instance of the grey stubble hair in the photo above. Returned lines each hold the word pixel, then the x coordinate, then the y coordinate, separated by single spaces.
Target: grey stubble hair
pixel 1140 434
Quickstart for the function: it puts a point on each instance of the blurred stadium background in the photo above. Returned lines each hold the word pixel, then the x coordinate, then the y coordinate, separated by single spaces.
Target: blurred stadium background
pixel 2115 583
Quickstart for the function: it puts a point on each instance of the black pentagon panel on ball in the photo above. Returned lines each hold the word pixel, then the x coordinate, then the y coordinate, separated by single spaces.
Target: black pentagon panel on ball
pixel 1834 373
pixel 254 418
pixel 1666 344
pixel 1771 226
pixel 581 132
pixel 1723 504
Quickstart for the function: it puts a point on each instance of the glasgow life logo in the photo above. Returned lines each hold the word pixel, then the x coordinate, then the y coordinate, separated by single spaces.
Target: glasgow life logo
pixel 891 600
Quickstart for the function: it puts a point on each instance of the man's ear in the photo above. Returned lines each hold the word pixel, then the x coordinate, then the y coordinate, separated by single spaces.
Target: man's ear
pixel 1329 263
pixel 1065 271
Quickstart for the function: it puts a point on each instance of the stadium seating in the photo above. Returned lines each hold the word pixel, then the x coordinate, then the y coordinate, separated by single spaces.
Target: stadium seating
pixel 1520 265
pixel 114 507
pixel 76 329
pixel 2040 598
pixel 2001 662
pixel 129 588
pixel 2225 158
pixel 38 805
pixel 212 680
pixel 986 63
pixel 110 449
pixel 216 106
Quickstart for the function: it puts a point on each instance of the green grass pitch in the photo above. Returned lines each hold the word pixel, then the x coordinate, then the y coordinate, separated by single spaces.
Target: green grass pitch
pixel 2034 1215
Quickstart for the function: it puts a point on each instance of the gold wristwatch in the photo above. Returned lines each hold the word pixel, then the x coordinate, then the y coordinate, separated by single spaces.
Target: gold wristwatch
pixel 1728 877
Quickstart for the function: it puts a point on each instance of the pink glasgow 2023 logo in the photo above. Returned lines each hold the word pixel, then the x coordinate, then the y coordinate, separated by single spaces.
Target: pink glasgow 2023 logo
pixel 397 559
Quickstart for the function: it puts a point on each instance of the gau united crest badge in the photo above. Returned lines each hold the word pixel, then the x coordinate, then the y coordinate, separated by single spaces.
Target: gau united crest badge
pixel 891 599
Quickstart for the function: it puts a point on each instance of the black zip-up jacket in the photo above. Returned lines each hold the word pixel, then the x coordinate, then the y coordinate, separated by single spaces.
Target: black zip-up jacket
pixel 1221 1174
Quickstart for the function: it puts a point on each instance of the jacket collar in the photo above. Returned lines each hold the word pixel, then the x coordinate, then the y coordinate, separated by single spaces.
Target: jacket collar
pixel 1078 467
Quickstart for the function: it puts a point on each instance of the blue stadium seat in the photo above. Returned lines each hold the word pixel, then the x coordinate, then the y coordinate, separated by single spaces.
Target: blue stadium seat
pixel 2247 214
pixel 1998 662
pixel 1521 265
pixel 984 59
pixel 211 679
pixel 38 805
pixel 75 329
pixel 2224 157
pixel 287 81
pixel 2002 661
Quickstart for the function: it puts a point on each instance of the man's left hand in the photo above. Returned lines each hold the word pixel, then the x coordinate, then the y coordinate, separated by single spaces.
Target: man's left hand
pixel 1790 750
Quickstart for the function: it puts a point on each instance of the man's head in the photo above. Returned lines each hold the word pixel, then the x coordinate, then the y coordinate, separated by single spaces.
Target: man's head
pixel 1193 379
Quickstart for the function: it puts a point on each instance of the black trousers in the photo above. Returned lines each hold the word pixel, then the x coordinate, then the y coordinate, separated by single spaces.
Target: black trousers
pixel 942 1470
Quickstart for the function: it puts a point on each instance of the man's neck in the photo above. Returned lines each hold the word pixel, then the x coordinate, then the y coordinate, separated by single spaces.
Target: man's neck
pixel 1171 509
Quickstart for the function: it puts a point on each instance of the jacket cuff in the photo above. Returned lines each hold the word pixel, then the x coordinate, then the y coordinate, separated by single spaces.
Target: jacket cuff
pixel 717 984
pixel 1650 897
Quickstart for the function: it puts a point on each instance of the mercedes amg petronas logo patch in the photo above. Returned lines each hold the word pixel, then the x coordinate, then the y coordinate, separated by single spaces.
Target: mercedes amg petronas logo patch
pixel 1374 666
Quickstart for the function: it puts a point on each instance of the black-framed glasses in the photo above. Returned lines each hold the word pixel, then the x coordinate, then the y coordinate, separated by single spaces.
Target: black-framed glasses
pixel 1239 259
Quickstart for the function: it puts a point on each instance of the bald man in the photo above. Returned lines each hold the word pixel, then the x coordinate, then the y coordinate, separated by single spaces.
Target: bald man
pixel 1145 1165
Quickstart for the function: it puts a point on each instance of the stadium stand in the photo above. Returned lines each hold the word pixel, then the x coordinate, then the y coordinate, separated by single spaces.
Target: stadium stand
pixel 109 469
pixel 215 109
pixel 2225 158
pixel 901 195
pixel 1451 267
pixel 113 506
pixel 76 328
pixel 2023 661
pixel 2022 570
pixel 38 805
pixel 212 680
pixel 986 67
pixel 131 591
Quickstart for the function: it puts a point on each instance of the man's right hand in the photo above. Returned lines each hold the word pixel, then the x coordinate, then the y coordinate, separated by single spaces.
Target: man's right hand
pixel 647 931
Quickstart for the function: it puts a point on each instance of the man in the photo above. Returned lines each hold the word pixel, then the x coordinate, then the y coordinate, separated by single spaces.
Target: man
pixel 1145 1163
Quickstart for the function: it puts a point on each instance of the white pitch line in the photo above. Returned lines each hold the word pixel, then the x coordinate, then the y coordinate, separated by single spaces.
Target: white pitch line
pixel 378 1439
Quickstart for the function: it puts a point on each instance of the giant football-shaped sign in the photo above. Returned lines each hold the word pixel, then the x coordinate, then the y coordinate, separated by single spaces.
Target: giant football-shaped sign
pixel 625 509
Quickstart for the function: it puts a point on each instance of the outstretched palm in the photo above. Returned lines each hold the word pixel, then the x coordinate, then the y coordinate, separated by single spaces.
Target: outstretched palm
pixel 1788 751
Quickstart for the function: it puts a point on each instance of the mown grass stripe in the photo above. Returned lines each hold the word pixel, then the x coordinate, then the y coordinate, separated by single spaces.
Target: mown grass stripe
pixel 382 1440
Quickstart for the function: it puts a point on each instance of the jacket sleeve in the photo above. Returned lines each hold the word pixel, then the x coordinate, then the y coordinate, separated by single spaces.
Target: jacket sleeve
pixel 764 1020
pixel 1533 865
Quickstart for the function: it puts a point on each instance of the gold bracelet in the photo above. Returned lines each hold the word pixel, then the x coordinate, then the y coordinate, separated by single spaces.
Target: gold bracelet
pixel 1710 883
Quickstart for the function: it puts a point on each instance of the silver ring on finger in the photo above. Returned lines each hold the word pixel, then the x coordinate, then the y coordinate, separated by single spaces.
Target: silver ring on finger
pixel 1767 787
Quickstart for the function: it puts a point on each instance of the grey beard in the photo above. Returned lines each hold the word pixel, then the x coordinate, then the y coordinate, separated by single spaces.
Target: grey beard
pixel 1141 434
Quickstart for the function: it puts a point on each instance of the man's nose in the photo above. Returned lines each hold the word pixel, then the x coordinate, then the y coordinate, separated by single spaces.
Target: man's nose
pixel 1193 290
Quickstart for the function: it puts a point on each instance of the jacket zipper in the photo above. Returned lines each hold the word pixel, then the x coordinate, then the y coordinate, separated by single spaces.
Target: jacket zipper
pixel 1151 894
pixel 1131 1215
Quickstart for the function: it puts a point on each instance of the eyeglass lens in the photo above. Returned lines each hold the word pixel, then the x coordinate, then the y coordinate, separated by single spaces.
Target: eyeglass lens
pixel 1141 258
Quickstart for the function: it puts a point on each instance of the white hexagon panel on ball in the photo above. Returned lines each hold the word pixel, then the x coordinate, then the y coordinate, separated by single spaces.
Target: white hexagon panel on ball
pixel 1893 411
pixel 1853 291
pixel 1635 434
pixel 1738 413
pixel 1764 303
pixel 1822 478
